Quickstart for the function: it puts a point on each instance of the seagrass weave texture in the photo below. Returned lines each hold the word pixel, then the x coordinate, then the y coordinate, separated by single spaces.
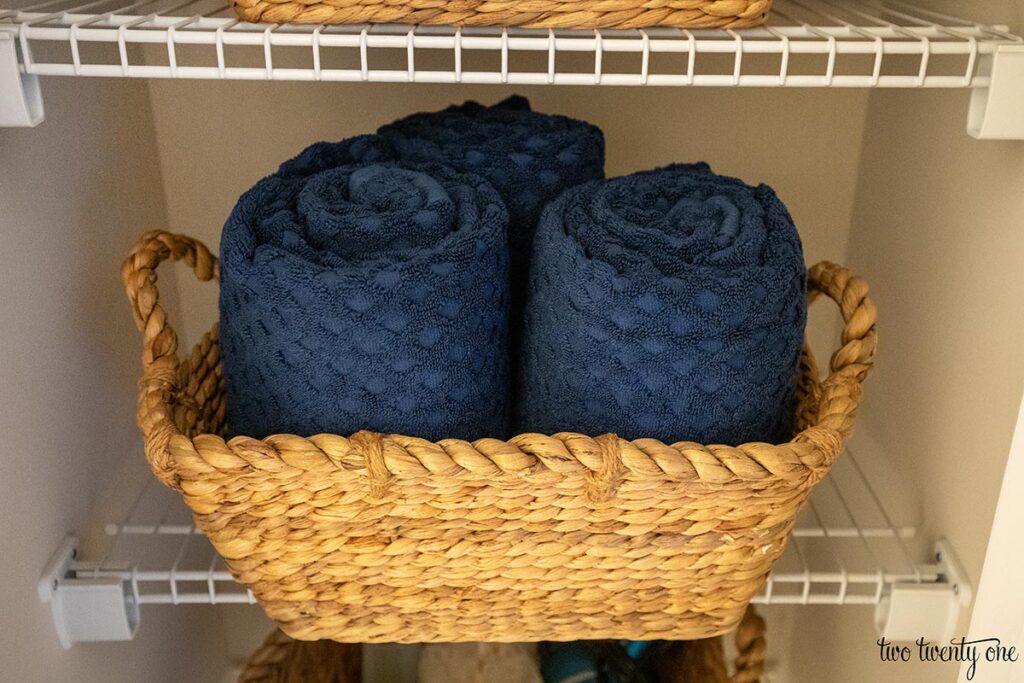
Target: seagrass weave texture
pixel 283 660
pixel 525 13
pixel 391 538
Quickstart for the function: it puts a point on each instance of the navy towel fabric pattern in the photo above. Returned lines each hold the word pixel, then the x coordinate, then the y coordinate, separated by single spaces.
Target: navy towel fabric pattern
pixel 362 293
pixel 529 157
pixel 667 304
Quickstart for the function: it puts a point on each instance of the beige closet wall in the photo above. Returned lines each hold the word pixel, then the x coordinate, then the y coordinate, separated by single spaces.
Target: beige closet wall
pixel 73 193
pixel 937 228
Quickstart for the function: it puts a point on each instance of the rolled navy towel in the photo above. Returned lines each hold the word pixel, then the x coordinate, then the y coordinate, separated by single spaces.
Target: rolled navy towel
pixel 666 304
pixel 362 293
pixel 528 156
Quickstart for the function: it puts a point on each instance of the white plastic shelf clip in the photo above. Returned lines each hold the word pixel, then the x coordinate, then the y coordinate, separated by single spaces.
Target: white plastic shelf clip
pixel 21 102
pixel 87 609
pixel 997 109
pixel 908 611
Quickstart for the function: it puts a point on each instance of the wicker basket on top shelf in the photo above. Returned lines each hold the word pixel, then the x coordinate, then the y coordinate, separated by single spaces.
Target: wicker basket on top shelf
pixel 390 538
pixel 584 14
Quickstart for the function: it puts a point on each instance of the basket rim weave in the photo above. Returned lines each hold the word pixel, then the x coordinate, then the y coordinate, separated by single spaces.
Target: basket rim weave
pixel 550 14
pixel 175 457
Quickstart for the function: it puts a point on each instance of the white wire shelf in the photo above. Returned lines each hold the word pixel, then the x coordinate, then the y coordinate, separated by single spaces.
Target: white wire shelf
pixel 806 43
pixel 845 550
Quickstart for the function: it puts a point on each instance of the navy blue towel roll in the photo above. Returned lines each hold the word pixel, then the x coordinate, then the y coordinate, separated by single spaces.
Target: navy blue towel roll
pixel 363 293
pixel 666 304
pixel 528 156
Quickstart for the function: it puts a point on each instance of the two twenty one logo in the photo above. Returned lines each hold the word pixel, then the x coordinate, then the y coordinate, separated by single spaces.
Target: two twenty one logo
pixel 958 650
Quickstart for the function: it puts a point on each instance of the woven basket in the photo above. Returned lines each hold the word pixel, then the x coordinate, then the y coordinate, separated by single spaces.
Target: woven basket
pixel 283 660
pixel 525 13
pixel 389 538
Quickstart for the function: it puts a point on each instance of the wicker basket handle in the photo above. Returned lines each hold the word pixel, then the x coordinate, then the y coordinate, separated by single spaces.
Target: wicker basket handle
pixel 283 660
pixel 840 392
pixel 750 648
pixel 160 343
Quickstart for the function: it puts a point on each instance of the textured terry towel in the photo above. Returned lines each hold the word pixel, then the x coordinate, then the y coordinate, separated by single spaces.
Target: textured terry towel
pixel 528 156
pixel 367 295
pixel 665 304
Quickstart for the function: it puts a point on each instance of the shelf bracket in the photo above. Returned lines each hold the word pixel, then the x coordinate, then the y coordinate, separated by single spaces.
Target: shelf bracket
pixel 997 110
pixel 86 609
pixel 21 101
pixel 909 611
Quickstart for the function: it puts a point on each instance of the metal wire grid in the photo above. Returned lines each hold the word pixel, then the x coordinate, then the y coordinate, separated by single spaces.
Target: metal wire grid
pixel 826 32
pixel 844 550
pixel 165 558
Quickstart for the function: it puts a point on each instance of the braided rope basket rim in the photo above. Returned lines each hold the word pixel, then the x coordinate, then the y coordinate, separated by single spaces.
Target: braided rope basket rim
pixel 551 14
pixel 362 469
